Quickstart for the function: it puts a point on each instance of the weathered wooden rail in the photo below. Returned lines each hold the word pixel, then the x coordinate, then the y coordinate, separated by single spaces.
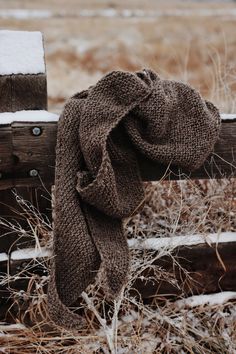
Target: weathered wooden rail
pixel 27 160
pixel 210 265
pixel 28 152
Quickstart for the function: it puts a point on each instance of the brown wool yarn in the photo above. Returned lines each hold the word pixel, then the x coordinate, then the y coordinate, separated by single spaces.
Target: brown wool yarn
pixel 97 178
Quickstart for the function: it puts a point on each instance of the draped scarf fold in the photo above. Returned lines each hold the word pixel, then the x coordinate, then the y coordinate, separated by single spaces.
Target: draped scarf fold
pixel 97 179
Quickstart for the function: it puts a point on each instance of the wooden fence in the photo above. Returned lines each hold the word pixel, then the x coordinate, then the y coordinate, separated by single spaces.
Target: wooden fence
pixel 28 150
pixel 27 160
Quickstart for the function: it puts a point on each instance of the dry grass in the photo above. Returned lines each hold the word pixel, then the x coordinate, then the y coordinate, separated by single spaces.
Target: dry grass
pixel 185 208
pixel 135 329
pixel 128 325
pixel 79 50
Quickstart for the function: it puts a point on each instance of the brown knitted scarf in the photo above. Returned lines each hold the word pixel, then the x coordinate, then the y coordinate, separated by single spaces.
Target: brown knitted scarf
pixel 97 181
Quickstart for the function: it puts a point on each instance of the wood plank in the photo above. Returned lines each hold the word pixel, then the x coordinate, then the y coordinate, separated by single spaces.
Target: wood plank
pixel 205 266
pixel 212 268
pixel 30 152
pixel 34 153
pixel 23 92
pixel 13 212
pixel 6 153
pixel 23 86
pixel 221 163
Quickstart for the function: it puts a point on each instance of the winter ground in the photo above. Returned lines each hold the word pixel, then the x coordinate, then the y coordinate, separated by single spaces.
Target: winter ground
pixel 201 324
pixel 193 41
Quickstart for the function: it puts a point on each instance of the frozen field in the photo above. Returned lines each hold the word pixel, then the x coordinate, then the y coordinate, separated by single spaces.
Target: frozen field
pixel 192 41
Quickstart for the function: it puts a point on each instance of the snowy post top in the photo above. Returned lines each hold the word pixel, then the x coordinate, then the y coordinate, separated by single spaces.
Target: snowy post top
pixel 23 81
pixel 21 52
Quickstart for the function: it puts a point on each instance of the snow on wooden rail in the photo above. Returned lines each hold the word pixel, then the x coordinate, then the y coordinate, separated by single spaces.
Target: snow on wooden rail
pixel 27 159
pixel 29 116
pixel 158 243
pixel 216 299
pixel 23 87
pixel 209 260
pixel 152 243
pixel 27 152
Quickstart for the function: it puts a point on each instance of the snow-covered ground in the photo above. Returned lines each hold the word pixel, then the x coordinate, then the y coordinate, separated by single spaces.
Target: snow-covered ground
pixel 25 14
pixel 84 40
pixel 194 44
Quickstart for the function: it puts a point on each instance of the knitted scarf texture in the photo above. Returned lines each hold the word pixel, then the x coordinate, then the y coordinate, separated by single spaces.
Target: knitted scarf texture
pixel 97 178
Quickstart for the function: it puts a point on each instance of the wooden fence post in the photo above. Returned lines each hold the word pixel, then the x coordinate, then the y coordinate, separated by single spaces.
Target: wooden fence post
pixel 23 83
pixel 27 160
pixel 23 86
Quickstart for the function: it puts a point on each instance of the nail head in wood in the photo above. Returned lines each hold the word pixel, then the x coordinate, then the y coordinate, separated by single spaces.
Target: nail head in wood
pixel 36 131
pixel 33 173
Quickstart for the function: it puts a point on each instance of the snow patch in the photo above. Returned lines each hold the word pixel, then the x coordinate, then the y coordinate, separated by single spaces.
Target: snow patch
pixel 11 327
pixel 3 257
pixel 109 12
pixel 27 116
pixel 155 243
pixel 152 243
pixel 32 116
pixel 231 116
pixel 211 299
pixel 139 13
pixel 21 52
pixel 24 14
pixel 29 253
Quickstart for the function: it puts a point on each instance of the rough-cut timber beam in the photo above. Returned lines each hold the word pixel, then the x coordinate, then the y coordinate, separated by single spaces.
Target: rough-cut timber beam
pixel 210 264
pixel 27 152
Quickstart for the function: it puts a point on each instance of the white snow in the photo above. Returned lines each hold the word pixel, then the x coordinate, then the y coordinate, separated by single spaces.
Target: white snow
pixel 158 243
pixel 45 116
pixel 139 13
pixel 28 253
pixel 24 14
pixel 231 116
pixel 27 116
pixel 21 52
pixel 9 327
pixel 3 257
pixel 211 299
pixel 152 243
pixel 109 12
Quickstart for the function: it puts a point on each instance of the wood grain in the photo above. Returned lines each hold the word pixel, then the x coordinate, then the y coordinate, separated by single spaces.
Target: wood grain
pixel 221 163
pixel 23 92
pixel 210 269
pixel 21 152
pixel 18 92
